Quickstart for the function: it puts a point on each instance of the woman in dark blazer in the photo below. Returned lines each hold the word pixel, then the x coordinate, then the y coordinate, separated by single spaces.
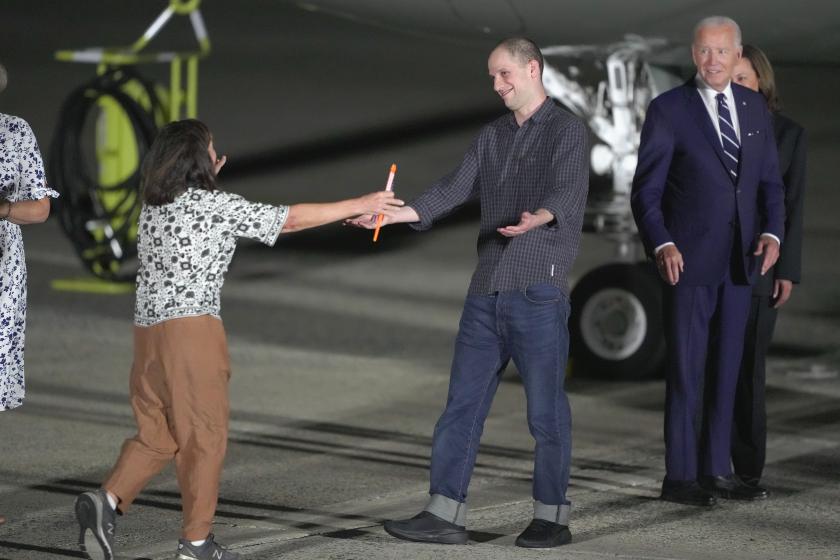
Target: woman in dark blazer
pixel 749 431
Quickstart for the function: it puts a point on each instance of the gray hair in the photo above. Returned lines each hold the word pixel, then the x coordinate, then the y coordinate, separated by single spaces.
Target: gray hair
pixel 718 21
pixel 4 77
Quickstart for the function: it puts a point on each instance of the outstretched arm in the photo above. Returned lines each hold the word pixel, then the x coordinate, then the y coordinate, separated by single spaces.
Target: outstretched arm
pixel 440 199
pixel 304 216
pixel 402 215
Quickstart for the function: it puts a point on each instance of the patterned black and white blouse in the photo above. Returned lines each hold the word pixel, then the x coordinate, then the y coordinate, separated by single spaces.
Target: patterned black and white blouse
pixel 185 248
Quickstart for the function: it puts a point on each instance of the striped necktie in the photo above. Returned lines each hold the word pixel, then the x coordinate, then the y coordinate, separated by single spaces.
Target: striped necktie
pixel 728 136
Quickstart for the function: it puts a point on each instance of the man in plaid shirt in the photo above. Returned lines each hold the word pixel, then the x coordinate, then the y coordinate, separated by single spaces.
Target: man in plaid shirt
pixel 529 169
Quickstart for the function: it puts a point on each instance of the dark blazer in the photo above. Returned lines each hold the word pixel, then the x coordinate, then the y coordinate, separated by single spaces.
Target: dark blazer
pixel 792 145
pixel 683 193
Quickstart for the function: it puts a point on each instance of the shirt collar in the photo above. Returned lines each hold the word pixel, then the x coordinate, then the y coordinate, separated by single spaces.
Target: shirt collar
pixel 708 92
pixel 539 116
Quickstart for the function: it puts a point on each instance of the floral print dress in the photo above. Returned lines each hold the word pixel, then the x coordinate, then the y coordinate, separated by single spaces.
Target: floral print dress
pixel 21 178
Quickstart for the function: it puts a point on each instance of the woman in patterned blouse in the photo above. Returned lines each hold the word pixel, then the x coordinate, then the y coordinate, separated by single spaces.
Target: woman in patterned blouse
pixel 187 235
pixel 24 199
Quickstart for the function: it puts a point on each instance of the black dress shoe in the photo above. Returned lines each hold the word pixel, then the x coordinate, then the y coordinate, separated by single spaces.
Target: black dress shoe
pixel 544 534
pixel 731 488
pixel 748 480
pixel 427 527
pixel 688 493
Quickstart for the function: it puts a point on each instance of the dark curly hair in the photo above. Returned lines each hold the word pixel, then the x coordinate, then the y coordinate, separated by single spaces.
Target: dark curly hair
pixel 177 160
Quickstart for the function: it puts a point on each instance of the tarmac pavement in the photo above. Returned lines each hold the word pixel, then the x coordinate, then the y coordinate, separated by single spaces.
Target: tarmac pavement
pixel 340 348
pixel 340 371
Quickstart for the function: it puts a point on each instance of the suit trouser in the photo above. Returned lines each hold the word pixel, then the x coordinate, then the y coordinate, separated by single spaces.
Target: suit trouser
pixel 704 329
pixel 749 429
pixel 179 395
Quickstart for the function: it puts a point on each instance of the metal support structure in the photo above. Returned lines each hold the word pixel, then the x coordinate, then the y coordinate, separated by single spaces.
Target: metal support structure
pixel 116 146
pixel 614 109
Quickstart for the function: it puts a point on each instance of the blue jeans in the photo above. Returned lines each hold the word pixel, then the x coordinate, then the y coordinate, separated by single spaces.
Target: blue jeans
pixel 529 326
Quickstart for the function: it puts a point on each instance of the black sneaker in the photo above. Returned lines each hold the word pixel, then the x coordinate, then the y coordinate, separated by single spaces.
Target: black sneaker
pixel 427 527
pixel 97 524
pixel 544 534
pixel 210 550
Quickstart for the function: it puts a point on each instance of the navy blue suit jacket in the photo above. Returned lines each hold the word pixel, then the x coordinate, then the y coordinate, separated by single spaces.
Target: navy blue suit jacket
pixel 683 193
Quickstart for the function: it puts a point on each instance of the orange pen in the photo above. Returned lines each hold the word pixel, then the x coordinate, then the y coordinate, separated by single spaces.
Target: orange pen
pixel 388 187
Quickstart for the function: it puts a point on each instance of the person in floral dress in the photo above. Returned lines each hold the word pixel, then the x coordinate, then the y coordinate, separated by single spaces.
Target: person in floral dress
pixel 24 199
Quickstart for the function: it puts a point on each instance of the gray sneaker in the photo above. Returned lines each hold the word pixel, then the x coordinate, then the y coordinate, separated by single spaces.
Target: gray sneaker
pixel 97 524
pixel 210 550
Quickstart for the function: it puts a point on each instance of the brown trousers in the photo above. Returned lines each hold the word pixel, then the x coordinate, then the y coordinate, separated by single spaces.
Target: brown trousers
pixel 179 394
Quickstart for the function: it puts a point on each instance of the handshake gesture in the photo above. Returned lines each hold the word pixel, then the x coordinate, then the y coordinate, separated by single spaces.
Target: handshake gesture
pixel 308 215
pixel 382 203
pixel 527 221
pixel 376 219
pixel 396 215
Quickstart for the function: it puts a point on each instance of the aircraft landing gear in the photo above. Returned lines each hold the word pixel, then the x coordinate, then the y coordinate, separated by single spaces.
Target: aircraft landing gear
pixel 616 323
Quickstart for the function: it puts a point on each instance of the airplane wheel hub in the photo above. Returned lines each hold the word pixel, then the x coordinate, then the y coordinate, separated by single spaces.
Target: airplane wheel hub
pixel 613 324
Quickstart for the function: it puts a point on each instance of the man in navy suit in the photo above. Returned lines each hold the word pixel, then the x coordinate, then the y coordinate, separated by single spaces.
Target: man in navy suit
pixel 708 200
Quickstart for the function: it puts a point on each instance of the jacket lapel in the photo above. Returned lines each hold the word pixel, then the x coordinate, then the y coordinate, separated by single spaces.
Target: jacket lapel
pixel 698 111
pixel 741 105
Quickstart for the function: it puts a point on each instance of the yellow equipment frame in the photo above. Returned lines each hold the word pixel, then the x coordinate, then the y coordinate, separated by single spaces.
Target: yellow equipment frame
pixel 116 148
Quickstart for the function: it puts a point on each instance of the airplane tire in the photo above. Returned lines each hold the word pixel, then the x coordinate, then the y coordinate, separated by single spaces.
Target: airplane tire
pixel 616 323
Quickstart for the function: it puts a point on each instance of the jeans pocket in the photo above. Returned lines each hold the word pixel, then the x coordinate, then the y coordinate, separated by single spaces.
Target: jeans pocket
pixel 542 293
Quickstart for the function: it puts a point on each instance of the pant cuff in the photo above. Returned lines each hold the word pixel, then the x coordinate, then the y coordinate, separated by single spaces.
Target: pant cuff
pixel 447 509
pixel 555 514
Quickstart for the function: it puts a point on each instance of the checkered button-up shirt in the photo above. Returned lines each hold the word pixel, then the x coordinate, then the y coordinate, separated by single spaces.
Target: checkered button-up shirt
pixel 513 169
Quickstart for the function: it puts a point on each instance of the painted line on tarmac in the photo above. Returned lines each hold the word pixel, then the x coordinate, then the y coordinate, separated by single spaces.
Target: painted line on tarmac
pixel 404 312
pixel 55 259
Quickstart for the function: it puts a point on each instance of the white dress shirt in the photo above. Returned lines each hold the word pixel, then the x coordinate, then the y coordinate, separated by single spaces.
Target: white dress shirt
pixel 708 94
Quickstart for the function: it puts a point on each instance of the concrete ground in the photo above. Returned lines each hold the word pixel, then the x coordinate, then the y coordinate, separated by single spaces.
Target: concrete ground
pixel 340 371
pixel 340 349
